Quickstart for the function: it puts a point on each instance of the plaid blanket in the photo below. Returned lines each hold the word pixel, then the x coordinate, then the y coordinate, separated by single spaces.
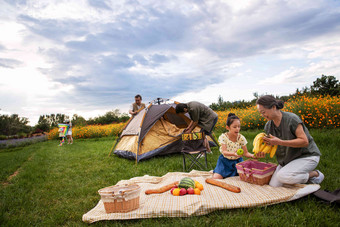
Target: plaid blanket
pixel 212 197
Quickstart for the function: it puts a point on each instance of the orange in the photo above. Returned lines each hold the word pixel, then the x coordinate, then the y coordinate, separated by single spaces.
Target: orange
pixel 197 191
pixel 175 192
pixel 199 186
pixel 196 182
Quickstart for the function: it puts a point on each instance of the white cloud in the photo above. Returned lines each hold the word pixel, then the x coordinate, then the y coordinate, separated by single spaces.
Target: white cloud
pixel 304 76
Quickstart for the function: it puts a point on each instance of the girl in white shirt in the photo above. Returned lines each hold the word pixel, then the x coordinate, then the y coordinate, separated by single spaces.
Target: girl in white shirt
pixel 230 142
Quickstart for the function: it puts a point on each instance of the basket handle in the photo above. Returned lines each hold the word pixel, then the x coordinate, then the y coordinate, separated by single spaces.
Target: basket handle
pixel 248 175
pixel 121 193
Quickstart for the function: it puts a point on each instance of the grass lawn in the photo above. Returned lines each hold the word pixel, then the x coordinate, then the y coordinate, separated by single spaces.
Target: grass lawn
pixel 55 186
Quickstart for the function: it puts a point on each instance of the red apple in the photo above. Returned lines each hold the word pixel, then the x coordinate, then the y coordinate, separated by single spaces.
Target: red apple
pixel 190 191
pixel 183 191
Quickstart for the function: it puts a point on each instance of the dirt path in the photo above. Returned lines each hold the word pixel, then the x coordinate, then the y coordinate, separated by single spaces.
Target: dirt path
pixel 8 181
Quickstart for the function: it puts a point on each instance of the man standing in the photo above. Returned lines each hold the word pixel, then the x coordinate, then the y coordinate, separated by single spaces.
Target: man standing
pixel 136 105
pixel 200 115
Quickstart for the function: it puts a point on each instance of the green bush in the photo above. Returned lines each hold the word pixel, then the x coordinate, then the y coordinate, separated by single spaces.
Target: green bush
pixel 21 135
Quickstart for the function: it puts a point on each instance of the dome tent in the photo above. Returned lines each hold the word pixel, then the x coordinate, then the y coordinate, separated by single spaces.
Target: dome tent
pixel 154 130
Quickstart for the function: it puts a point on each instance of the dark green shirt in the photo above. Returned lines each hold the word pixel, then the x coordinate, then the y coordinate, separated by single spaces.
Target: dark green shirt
pixel 286 131
pixel 202 114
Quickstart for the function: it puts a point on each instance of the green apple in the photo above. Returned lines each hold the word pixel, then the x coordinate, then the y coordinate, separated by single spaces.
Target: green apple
pixel 240 151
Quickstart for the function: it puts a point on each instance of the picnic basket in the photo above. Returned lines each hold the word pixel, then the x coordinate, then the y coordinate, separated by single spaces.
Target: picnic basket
pixel 120 199
pixel 255 172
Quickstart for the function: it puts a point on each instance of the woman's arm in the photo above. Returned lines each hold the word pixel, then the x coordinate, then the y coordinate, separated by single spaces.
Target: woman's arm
pixel 300 141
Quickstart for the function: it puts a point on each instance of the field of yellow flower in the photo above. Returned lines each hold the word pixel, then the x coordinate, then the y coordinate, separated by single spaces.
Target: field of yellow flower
pixel 316 112
pixel 90 131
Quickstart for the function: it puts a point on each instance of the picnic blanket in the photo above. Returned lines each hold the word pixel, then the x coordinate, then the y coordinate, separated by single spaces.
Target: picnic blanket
pixel 212 197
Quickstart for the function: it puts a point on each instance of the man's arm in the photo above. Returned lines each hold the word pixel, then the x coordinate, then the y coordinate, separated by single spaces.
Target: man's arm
pixel 131 110
pixel 191 126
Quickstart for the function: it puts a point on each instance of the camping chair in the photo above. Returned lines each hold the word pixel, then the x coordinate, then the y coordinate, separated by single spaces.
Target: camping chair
pixel 193 149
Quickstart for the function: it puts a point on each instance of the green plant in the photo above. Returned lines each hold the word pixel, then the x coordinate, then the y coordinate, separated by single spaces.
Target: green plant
pixel 21 135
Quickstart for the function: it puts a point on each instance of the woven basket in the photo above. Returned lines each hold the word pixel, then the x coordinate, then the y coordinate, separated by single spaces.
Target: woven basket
pixel 120 199
pixel 255 172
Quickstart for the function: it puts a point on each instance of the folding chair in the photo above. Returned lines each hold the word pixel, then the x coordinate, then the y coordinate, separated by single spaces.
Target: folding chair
pixel 193 149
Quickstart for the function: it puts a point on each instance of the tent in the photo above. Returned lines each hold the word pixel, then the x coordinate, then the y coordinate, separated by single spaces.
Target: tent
pixel 154 130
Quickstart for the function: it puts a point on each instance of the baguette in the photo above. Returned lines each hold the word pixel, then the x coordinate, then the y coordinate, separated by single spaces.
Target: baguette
pixel 162 189
pixel 229 187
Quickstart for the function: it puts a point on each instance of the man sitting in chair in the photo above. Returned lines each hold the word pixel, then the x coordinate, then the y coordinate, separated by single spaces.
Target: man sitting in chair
pixel 200 115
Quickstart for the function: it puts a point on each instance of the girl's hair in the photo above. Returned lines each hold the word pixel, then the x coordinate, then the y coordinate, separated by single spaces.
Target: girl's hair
pixel 268 101
pixel 231 118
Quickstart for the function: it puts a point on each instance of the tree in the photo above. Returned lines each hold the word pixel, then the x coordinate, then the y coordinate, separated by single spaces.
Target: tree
pixel 223 105
pixel 326 85
pixel 43 124
pixel 12 125
pixel 46 122
pixel 78 120
pixel 108 118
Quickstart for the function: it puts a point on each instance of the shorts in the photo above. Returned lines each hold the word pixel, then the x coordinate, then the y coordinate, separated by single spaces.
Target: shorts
pixel 226 167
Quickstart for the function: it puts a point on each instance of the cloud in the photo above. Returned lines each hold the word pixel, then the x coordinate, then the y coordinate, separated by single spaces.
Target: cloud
pixel 56 30
pixel 102 53
pixel 10 63
pixel 99 4
pixel 262 26
pixel 299 76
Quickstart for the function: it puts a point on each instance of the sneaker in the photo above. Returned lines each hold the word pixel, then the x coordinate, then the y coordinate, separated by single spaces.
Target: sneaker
pixel 318 179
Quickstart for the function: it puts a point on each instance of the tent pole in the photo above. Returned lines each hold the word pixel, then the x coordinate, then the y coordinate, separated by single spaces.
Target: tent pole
pixel 137 154
pixel 213 137
pixel 114 146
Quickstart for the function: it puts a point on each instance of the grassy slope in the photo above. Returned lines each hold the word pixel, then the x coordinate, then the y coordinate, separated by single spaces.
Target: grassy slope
pixel 57 185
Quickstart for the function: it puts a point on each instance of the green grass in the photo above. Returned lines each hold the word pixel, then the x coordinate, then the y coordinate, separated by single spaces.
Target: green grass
pixel 56 185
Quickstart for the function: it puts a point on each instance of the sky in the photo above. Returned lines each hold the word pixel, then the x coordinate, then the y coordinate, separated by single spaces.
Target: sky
pixel 88 57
